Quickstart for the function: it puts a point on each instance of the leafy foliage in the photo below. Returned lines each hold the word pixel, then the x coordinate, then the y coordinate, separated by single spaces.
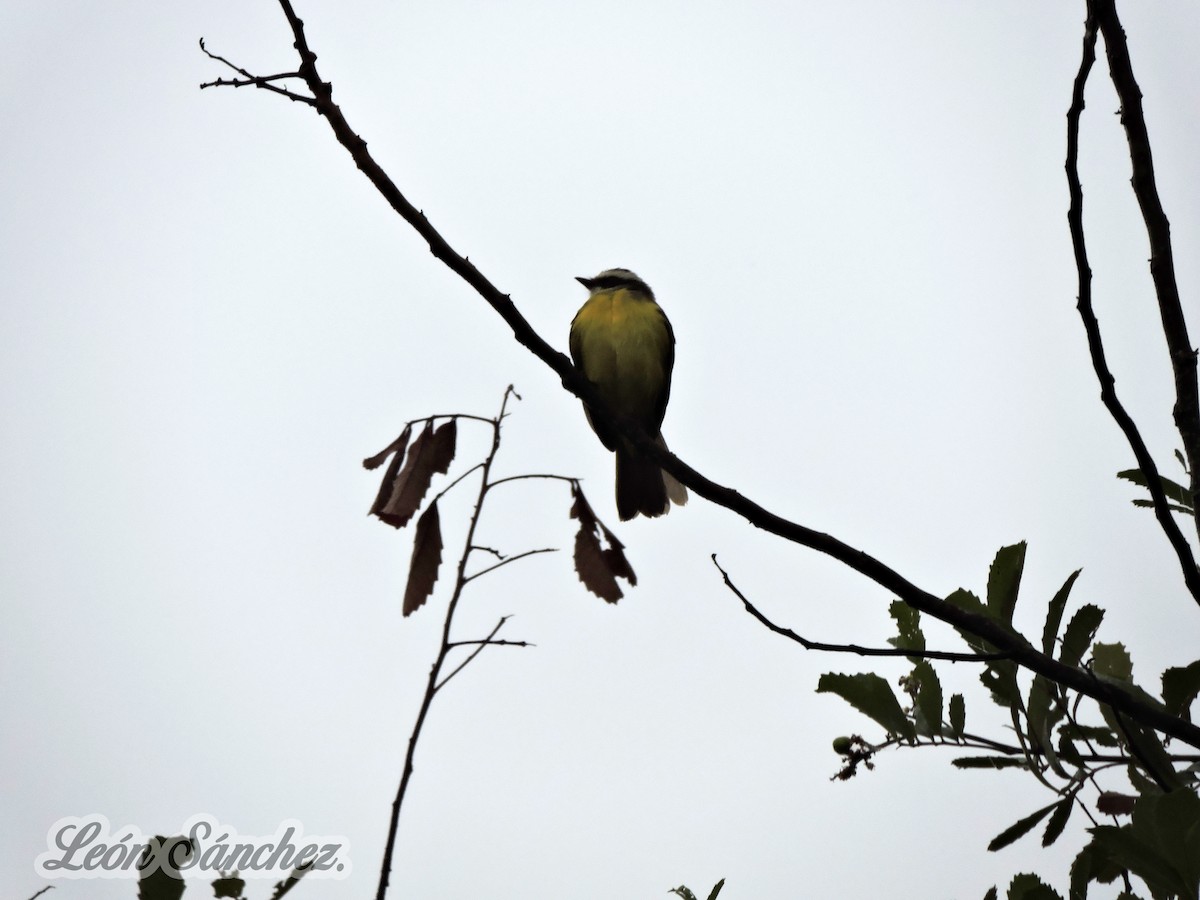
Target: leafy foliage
pixel 1179 498
pixel 1159 843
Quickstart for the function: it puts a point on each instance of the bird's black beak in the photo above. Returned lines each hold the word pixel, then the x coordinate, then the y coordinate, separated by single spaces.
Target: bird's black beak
pixel 586 282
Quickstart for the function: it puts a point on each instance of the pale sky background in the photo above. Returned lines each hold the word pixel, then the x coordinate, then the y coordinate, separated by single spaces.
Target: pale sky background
pixel 854 214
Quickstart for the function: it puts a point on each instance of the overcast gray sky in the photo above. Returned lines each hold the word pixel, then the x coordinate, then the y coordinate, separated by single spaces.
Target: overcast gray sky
pixel 854 214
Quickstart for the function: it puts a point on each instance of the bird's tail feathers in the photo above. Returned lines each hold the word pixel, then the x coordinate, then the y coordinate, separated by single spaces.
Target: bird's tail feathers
pixel 643 488
pixel 676 492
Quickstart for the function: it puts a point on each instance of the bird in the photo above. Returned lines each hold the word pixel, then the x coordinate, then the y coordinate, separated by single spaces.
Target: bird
pixel 622 342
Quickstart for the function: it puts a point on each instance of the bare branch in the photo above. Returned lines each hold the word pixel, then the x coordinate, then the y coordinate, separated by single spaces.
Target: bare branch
pixel 1158 229
pixel 852 648
pixel 485 642
pixel 1108 392
pixel 266 82
pixel 510 559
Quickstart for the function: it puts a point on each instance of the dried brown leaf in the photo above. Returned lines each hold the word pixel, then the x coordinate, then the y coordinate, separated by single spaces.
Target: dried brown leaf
pixel 441 448
pixel 426 559
pixel 615 556
pixel 593 568
pixel 598 568
pixel 581 510
pixel 398 446
pixel 1112 803
pixel 409 487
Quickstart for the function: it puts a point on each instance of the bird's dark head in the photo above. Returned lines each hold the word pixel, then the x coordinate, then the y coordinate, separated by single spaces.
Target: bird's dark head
pixel 612 279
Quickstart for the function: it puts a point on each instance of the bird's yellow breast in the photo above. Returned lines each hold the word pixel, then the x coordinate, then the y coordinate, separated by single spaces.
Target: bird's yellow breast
pixel 622 343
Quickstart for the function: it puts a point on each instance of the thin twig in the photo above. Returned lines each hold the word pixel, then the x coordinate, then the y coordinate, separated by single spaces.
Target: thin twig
pixel 485 642
pixel 533 475
pixel 266 82
pixel 852 648
pixel 510 559
pixel 492 643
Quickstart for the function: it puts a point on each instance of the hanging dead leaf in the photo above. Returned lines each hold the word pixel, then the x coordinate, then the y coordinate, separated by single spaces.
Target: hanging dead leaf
pixel 426 559
pixel 593 568
pixel 409 487
pixel 598 567
pixel 398 446
pixel 1112 803
pixel 580 509
pixel 441 448
pixel 615 557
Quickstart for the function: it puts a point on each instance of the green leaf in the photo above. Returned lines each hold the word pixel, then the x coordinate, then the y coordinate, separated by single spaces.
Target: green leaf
pixel 1058 820
pixel 1112 661
pixel 1170 824
pixel 1079 634
pixel 1146 748
pixel 927 712
pixel 1092 864
pixel 1019 829
pixel 1028 886
pixel 1174 492
pixel 1000 678
pixel 968 602
pixel 1004 581
pixel 1042 713
pixel 908 627
pixel 958 715
pixel 990 762
pixel 1174 507
pixel 1127 848
pixel 1094 733
pixel 1141 783
pixel 872 696
pixel 1180 687
pixel 1055 613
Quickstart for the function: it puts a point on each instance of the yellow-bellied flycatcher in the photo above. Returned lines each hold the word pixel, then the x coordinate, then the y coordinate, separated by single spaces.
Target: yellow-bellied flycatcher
pixel 622 342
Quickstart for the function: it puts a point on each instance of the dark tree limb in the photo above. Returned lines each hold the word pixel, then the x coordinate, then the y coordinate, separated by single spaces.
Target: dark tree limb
pixel 1158 229
pixel 1108 390
pixel 1002 638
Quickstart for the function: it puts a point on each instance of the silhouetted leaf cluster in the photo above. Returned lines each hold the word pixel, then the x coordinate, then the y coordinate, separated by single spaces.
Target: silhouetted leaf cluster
pixel 403 489
pixel 1179 498
pixel 404 486
pixel 1162 842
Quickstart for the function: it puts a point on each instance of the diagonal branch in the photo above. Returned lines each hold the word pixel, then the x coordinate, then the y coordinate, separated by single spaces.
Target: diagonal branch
pixel 990 630
pixel 1108 391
